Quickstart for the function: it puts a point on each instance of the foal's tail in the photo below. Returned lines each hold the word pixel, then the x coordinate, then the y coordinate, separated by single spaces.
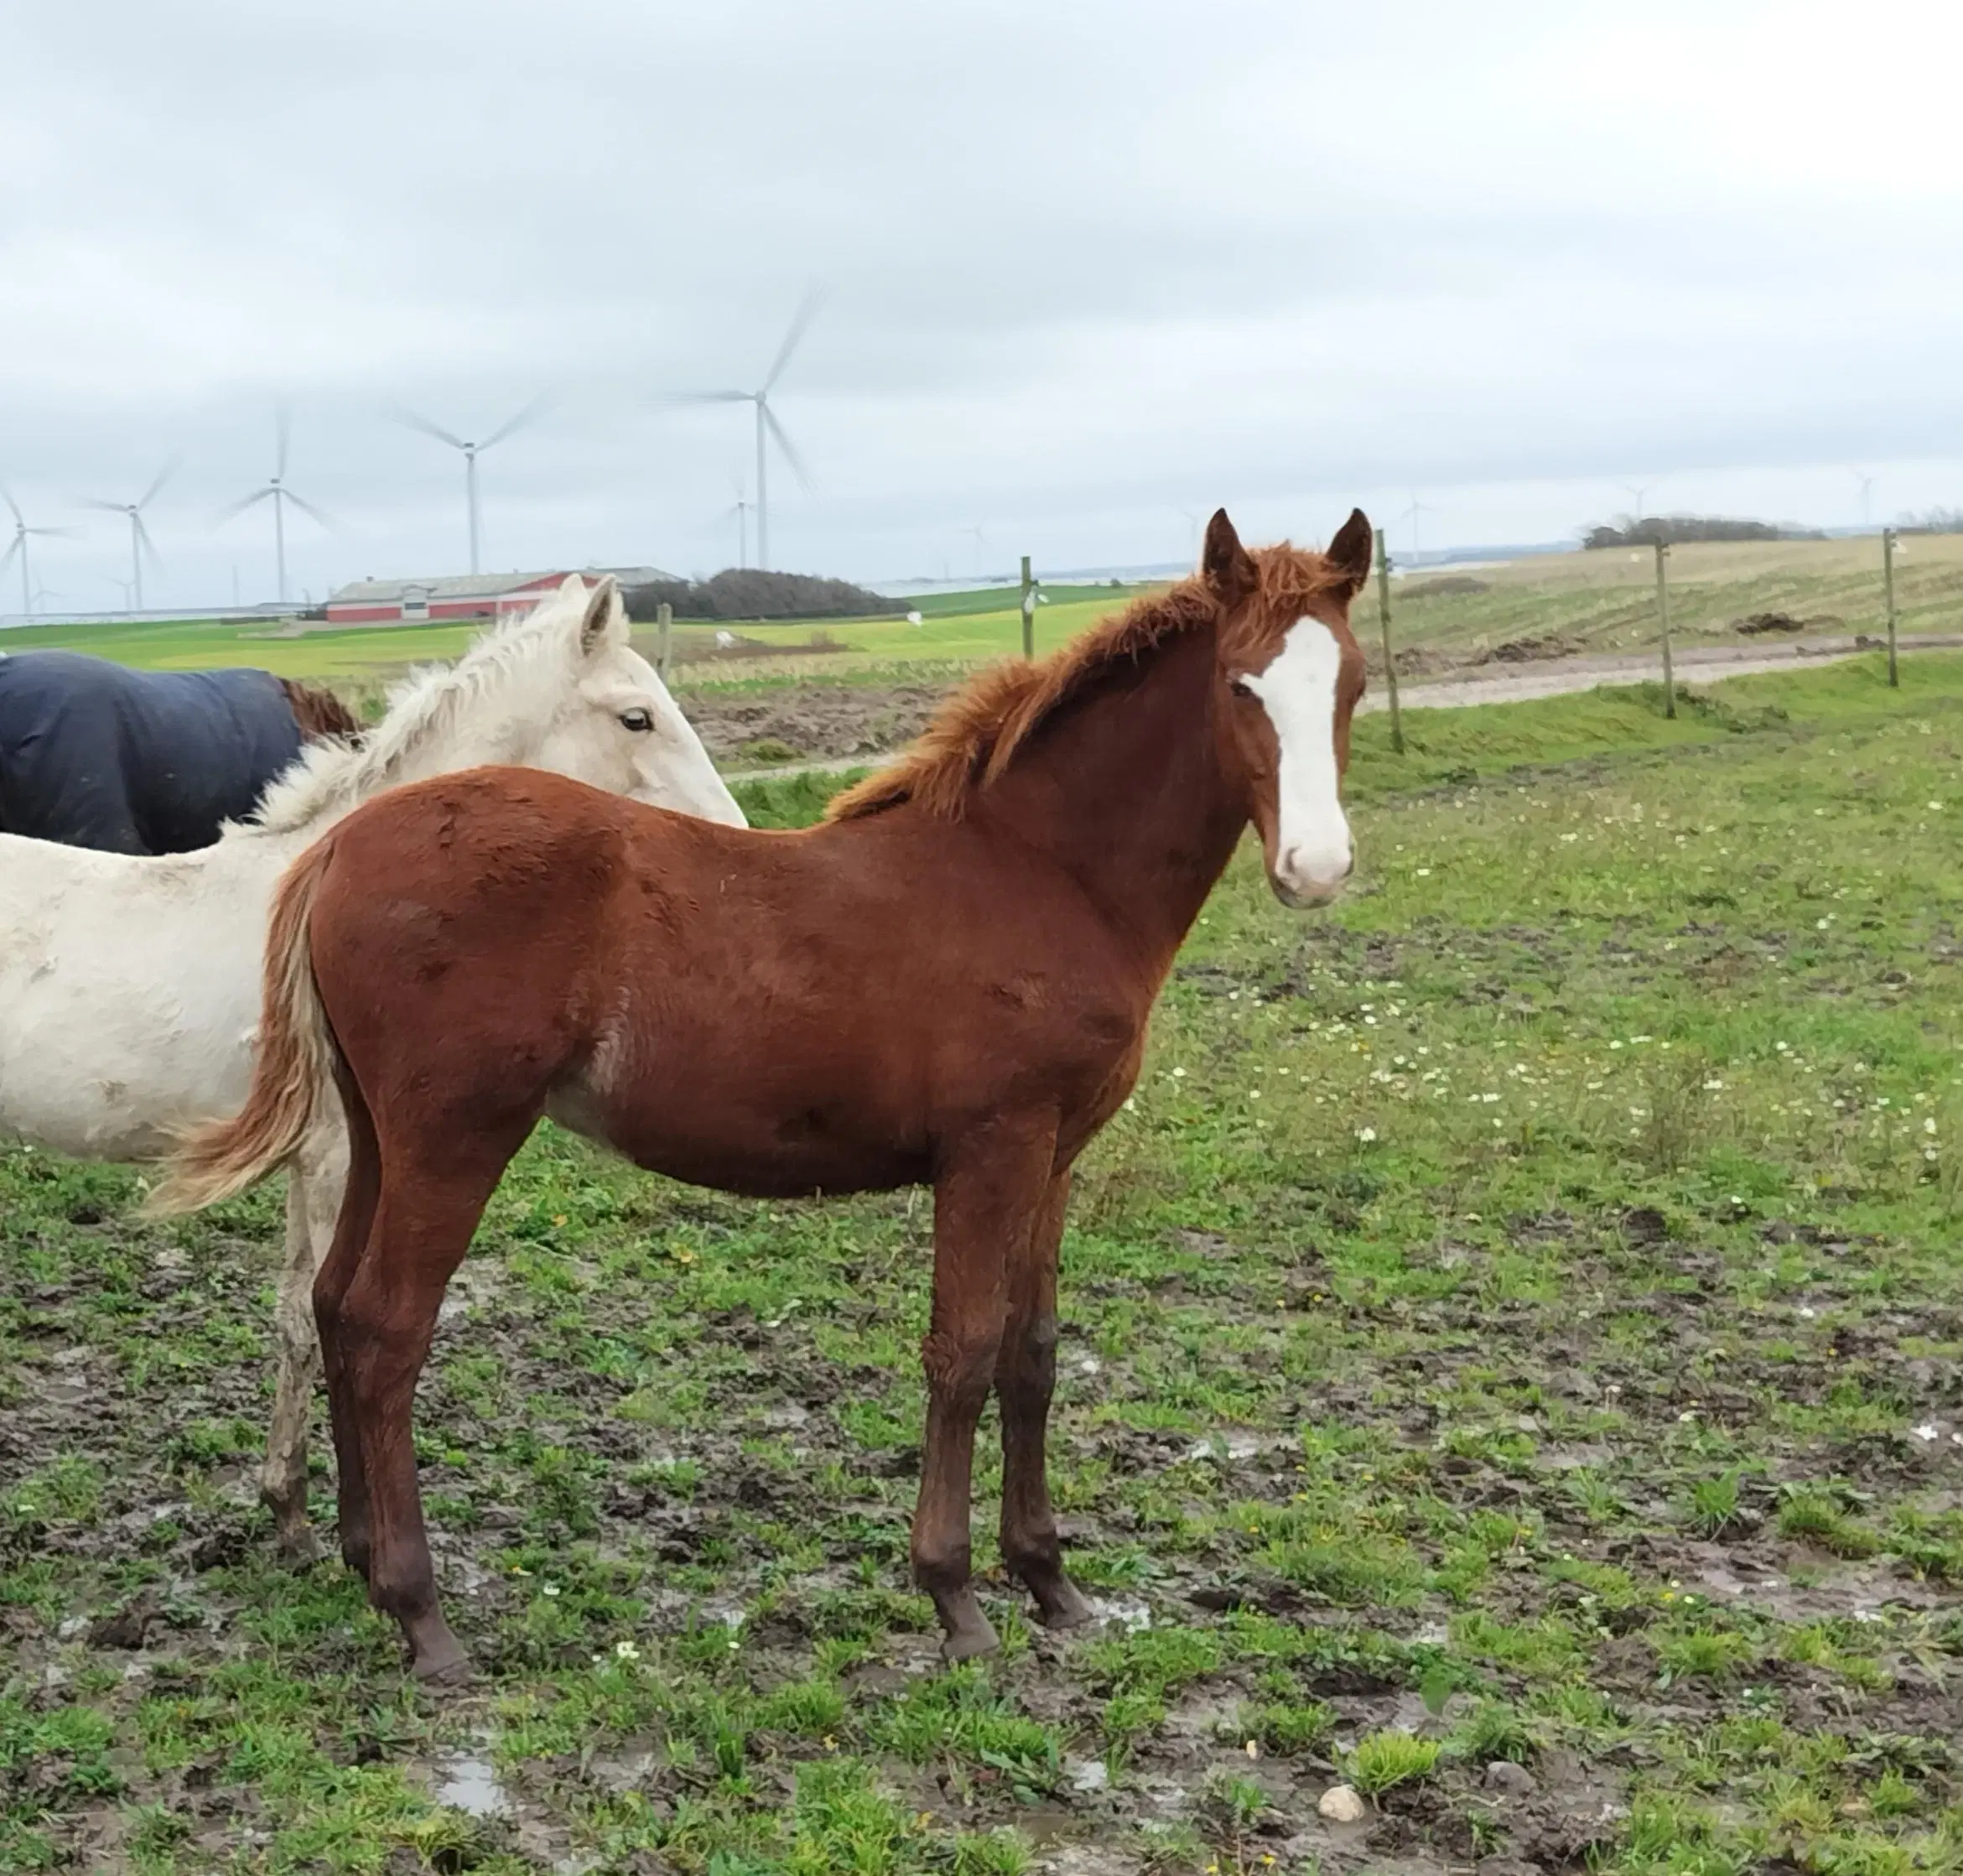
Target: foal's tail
pixel 296 1057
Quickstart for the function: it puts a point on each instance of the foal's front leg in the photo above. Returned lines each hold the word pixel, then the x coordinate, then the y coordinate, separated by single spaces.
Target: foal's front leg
pixel 986 1196
pixel 1026 1377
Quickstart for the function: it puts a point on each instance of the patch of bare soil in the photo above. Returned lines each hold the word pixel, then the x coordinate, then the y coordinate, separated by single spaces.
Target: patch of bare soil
pixel 1758 624
pixel 812 722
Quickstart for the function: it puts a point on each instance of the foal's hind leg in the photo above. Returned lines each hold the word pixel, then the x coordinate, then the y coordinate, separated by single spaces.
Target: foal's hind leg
pixel 1026 1377
pixel 352 1228
pixel 387 1321
pixel 314 1185
pixel 985 1202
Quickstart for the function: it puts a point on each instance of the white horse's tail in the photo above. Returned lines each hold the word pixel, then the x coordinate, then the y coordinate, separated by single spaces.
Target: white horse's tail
pixel 296 1056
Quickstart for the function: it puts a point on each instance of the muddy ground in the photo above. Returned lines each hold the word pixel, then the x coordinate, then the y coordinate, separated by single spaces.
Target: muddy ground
pixel 1516 1328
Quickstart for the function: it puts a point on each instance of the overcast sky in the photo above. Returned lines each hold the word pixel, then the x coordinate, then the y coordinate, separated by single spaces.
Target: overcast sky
pixel 1094 268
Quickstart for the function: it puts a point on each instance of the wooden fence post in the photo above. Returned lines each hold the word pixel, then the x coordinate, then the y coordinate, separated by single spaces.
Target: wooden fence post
pixel 1888 569
pixel 1389 657
pixel 1029 611
pixel 664 620
pixel 1670 682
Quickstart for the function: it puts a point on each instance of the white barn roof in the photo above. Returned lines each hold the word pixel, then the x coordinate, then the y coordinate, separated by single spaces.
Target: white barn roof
pixel 480 586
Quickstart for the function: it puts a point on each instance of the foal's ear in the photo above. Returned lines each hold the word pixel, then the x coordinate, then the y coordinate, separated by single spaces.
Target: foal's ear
pixel 1351 552
pixel 597 628
pixel 1227 566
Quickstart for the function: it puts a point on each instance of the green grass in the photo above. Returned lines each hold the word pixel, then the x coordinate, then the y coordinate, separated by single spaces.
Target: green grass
pixel 1515 1319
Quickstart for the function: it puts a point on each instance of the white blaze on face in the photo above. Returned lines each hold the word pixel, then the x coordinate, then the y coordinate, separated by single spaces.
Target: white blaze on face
pixel 1312 850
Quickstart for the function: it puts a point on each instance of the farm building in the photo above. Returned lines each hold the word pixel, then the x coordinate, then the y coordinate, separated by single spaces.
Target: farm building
pixel 391 602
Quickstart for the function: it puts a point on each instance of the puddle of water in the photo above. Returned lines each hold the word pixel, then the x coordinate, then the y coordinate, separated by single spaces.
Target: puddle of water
pixel 466 1782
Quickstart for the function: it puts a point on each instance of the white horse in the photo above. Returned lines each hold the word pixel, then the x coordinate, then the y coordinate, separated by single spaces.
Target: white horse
pixel 129 986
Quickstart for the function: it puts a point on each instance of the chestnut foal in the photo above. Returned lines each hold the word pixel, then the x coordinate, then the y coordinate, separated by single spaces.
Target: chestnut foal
pixel 948 982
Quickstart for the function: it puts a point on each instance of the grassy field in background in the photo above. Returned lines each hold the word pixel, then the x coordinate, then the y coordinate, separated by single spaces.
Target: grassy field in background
pixel 1509 1365
pixel 1600 602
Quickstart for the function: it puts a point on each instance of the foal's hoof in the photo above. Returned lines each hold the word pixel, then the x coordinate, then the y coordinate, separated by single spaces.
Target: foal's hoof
pixel 964 1644
pixel 439 1658
pixel 1063 1605
pixel 442 1676
pixel 968 1632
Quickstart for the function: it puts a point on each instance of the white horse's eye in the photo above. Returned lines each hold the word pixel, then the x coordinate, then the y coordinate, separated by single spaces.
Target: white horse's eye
pixel 638 721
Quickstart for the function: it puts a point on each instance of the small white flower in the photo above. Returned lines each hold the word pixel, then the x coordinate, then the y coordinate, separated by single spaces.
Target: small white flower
pixel 1712 1087
pixel 625 1651
pixel 1929 1125
pixel 1928 1433
pixel 1179 1074
pixel 548 1589
pixel 1366 1134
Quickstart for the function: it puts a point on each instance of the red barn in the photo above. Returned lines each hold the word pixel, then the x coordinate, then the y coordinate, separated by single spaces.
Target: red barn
pixel 396 602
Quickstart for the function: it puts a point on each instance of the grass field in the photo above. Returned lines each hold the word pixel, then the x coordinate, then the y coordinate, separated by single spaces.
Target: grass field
pixel 1509 1367
pixel 1555 605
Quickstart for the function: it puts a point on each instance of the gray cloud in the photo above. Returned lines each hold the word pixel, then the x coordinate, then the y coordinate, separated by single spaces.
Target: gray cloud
pixel 1093 264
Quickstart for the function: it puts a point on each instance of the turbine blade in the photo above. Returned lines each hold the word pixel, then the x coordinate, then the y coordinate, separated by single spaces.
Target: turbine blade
pixel 789 448
pixel 412 420
pixel 530 412
pixel 144 543
pixel 163 475
pixel 13 504
pixel 240 507
pixel 7 559
pixel 326 520
pixel 283 431
pixel 706 397
pixel 808 309
pixel 64 533
pixel 108 507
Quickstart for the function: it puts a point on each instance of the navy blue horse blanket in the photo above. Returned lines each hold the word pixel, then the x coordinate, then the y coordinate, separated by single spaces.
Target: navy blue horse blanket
pixel 94 755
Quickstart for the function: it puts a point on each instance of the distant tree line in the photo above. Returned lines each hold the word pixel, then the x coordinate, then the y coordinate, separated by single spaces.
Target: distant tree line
pixel 751 593
pixel 1626 530
pixel 1934 521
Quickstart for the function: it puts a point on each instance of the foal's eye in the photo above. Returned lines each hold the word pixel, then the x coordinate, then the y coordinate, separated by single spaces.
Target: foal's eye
pixel 1240 686
pixel 639 720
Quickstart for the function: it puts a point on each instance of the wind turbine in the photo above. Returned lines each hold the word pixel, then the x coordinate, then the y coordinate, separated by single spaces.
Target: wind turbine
pixel 981 547
pixel 139 536
pixel 740 509
pixel 1193 522
pixel 128 587
pixel 1639 489
pixel 276 492
pixel 18 545
pixel 1411 514
pixel 1867 482
pixel 767 426
pixel 471 452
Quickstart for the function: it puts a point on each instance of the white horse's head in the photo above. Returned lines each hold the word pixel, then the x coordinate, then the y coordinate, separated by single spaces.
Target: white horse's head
pixel 617 728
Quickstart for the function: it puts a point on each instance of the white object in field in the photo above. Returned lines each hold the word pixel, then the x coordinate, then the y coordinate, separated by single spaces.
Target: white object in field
pixel 1341 1804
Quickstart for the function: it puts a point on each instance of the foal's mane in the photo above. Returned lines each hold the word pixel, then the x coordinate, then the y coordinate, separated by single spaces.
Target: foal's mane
pixel 332 776
pixel 975 733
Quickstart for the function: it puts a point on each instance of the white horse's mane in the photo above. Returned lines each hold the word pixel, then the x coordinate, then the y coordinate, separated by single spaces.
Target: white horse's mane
pixel 333 777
